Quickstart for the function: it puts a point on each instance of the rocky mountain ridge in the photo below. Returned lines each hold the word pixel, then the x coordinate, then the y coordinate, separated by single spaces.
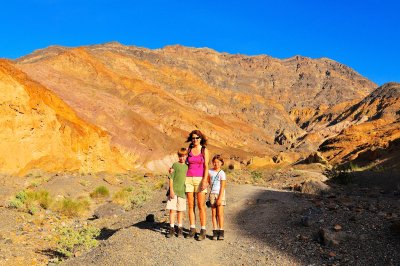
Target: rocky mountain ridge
pixel 146 101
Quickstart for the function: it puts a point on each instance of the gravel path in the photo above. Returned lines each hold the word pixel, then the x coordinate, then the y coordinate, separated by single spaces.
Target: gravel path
pixel 139 243
pixel 263 227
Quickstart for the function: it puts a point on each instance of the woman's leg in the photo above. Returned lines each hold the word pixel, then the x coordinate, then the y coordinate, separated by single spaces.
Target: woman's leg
pixel 191 207
pixel 201 199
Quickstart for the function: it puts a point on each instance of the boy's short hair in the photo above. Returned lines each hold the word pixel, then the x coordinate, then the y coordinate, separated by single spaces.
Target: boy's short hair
pixel 219 158
pixel 182 152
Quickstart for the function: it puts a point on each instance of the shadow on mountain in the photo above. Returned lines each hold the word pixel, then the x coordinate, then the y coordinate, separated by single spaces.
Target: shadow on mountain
pixel 379 167
pixel 340 227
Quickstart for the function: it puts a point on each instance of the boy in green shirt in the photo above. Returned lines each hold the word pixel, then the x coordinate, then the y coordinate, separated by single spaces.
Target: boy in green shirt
pixel 177 199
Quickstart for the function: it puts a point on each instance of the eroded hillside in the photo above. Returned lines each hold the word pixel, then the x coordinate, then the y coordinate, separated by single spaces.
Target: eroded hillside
pixel 40 131
pixel 147 101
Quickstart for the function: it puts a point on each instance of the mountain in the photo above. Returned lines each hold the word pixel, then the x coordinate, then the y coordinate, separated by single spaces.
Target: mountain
pixel 146 101
pixel 40 131
pixel 374 133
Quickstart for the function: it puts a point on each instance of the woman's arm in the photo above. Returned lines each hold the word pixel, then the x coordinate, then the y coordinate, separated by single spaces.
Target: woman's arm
pixel 205 181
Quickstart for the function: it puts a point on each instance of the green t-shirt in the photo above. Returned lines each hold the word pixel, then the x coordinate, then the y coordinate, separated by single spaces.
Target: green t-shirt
pixel 179 177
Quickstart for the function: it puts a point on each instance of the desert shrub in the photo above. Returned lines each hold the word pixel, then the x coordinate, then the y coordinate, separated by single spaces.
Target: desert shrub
pixel 122 197
pixel 140 196
pixel 129 197
pixel 42 198
pixel 16 204
pixel 70 207
pixel 100 192
pixel 340 176
pixel 354 167
pixel 31 201
pixel 159 184
pixel 256 175
pixel 73 240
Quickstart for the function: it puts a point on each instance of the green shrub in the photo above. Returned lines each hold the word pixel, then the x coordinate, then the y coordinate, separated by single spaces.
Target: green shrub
pixel 100 192
pixel 140 196
pixel 159 184
pixel 22 196
pixel 128 198
pixel 40 197
pixel 31 200
pixel 256 175
pixel 71 208
pixel 16 204
pixel 340 176
pixel 73 240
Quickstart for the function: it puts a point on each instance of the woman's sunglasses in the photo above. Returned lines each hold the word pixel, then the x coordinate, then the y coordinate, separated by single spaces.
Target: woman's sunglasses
pixel 195 138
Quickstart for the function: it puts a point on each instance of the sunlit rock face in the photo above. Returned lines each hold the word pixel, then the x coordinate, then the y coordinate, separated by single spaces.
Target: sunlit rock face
pixel 144 102
pixel 40 131
pixel 374 131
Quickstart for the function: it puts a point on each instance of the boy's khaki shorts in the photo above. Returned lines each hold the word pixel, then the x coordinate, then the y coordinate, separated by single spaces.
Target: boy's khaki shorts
pixel 176 204
pixel 192 184
pixel 214 197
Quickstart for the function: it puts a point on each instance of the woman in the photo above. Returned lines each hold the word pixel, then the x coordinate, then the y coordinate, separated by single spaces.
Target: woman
pixel 197 180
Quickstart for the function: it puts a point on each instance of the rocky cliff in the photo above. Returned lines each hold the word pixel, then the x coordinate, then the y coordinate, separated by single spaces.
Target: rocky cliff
pixel 146 101
pixel 374 131
pixel 40 131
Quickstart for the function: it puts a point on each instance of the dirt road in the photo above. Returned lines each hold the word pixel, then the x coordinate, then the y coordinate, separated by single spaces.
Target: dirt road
pixel 263 227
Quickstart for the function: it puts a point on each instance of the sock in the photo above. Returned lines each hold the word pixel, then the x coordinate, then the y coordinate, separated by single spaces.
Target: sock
pixel 222 229
pixel 203 227
pixel 172 225
pixel 216 228
pixel 179 225
pixel 192 226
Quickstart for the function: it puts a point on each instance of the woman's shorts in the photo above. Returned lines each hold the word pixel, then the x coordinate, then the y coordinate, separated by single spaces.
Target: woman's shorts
pixel 192 184
pixel 176 204
pixel 214 197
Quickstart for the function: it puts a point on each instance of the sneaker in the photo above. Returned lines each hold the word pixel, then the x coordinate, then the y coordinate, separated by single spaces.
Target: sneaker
pixel 192 233
pixel 215 234
pixel 171 232
pixel 202 235
pixel 221 235
pixel 179 233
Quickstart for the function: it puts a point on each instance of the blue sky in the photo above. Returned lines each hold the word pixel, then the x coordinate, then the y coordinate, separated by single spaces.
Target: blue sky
pixel 364 35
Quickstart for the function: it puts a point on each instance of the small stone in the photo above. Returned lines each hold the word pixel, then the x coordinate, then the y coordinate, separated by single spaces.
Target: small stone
pixel 358 209
pixel 148 175
pixel 381 214
pixel 353 218
pixel 395 227
pixel 331 254
pixel 332 206
pixel 337 227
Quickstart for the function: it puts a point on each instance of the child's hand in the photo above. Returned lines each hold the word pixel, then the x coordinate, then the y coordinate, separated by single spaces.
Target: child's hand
pixel 171 195
pixel 170 170
pixel 204 185
pixel 219 202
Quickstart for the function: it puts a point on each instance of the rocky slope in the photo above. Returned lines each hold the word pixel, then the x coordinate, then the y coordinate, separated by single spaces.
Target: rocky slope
pixel 148 100
pixel 40 131
pixel 374 133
